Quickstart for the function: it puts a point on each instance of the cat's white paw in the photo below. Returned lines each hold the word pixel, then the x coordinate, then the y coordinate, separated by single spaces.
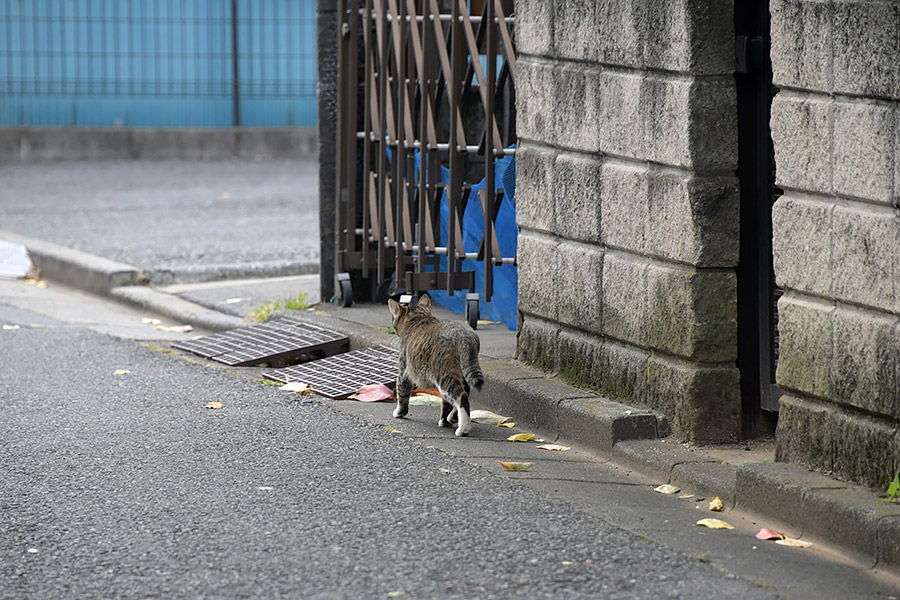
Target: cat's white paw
pixel 460 432
pixel 399 413
pixel 443 423
pixel 465 423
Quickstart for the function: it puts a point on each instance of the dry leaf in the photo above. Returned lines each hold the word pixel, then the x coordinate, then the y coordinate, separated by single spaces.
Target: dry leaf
pixel 425 400
pixel 375 392
pixel 521 437
pixel 714 524
pixel 149 321
pixel 567 563
pixel 716 504
pixel 41 284
pixel 426 392
pixel 793 543
pixel 667 489
pixel 121 372
pixel 556 447
pixel 175 328
pixel 295 386
pixel 769 534
pixel 508 424
pixel 686 496
pixel 10 327
pixel 516 466
pixel 487 417
pixel 214 405
pixel 445 470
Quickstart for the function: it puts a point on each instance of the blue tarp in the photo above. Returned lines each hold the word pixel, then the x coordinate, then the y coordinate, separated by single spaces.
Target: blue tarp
pixel 503 304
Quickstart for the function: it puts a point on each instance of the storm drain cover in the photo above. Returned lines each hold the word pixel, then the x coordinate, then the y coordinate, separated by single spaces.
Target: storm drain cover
pixel 276 343
pixel 341 375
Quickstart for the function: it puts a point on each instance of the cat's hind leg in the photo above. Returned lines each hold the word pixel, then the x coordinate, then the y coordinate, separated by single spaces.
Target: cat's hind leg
pixel 465 422
pixel 447 414
pixel 404 388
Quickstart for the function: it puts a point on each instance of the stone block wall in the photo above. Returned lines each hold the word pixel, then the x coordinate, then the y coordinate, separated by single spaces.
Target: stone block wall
pixel 628 204
pixel 836 128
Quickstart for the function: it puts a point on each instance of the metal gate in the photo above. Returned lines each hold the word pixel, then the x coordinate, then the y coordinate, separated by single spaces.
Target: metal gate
pixel 425 102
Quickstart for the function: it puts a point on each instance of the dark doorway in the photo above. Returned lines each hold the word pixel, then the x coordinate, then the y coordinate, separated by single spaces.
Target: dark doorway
pixel 757 293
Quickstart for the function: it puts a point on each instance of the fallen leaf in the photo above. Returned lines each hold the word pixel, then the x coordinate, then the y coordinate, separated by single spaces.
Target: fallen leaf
pixel 508 424
pixel 699 499
pixel 295 386
pixel 714 524
pixel 487 417
pixel 667 489
pixel 444 470
pixel 516 466
pixel 567 563
pixel 793 543
pixel 426 392
pixel 41 284
pixel 10 327
pixel 425 400
pixel 686 496
pixel 395 594
pixel 121 372
pixel 556 447
pixel 214 405
pixel 716 504
pixel 375 392
pixel 521 437
pixel 149 321
pixel 175 328
pixel 235 300
pixel 769 534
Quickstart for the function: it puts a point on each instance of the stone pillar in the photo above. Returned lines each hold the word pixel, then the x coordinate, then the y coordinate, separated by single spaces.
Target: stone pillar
pixel 627 203
pixel 836 128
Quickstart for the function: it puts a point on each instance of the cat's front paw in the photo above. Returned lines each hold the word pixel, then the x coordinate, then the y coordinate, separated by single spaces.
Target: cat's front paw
pixel 400 412
pixel 463 431
pixel 443 422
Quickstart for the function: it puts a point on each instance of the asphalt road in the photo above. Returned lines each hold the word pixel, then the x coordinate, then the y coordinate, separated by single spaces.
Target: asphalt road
pixel 179 221
pixel 125 486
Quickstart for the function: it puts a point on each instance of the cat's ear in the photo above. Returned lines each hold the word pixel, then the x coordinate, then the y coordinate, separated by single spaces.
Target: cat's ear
pixel 394 306
pixel 424 302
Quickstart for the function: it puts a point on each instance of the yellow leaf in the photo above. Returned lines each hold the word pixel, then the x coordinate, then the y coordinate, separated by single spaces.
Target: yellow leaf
pixel 214 405
pixel 667 489
pixel 793 543
pixel 507 424
pixel 685 496
pixel 521 437
pixel 516 466
pixel 425 400
pixel 714 524
pixel 716 504
pixel 554 447
pixel 149 321
pixel 487 417
pixel 295 386
pixel 121 372
pixel 41 284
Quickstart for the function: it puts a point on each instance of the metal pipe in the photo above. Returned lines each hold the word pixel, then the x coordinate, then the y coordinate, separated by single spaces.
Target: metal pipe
pixel 236 92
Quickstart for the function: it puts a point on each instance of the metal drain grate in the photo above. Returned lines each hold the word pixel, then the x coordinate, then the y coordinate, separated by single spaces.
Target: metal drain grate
pixel 341 375
pixel 277 343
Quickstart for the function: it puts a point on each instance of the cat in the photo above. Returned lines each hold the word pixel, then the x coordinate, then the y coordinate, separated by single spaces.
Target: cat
pixel 441 354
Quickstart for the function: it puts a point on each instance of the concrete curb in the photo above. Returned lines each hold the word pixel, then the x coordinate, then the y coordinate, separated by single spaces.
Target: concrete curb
pixel 78 269
pixel 183 311
pixel 798 501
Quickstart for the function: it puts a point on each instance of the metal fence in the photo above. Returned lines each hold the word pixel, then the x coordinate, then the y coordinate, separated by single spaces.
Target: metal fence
pixel 157 62
pixel 426 104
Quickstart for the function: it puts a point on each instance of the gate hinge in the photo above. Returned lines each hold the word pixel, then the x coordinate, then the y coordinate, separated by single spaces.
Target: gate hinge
pixel 750 53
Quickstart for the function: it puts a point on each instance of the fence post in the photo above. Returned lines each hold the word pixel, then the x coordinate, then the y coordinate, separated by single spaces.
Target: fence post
pixel 236 92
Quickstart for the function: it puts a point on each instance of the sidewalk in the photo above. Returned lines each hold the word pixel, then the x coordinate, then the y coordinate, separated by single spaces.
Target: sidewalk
pixel 804 503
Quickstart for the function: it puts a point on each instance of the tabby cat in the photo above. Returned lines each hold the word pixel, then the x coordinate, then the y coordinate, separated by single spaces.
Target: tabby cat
pixel 441 354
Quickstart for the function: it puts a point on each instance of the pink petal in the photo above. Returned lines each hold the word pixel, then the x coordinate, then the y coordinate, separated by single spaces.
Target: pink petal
pixel 375 392
pixel 769 534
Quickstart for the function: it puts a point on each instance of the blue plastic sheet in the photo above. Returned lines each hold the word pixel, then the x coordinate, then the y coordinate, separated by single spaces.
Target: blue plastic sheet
pixel 504 301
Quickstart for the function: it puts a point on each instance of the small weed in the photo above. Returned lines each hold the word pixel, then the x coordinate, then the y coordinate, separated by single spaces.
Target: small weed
pixel 262 312
pixel 387 330
pixel 704 558
pixel 269 382
pixel 893 490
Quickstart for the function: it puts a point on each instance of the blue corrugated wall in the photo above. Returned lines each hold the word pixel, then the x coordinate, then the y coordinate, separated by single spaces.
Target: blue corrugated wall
pixel 156 63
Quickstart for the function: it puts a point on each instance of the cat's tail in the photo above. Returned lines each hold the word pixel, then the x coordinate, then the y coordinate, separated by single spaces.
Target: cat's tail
pixel 472 372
